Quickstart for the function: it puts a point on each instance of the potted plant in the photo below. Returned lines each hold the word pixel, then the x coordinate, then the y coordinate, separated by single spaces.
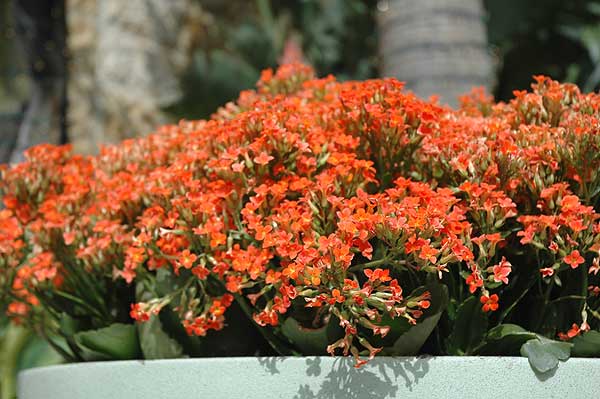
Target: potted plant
pixel 316 217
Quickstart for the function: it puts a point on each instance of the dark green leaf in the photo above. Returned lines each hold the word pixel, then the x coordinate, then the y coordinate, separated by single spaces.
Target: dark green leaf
pixel 311 341
pixel 398 326
pixel 544 354
pixel 155 342
pixel 410 342
pixel 504 330
pixel 239 336
pixel 469 328
pixel 38 353
pixel 587 345
pixel 171 324
pixel 505 340
pixel 68 325
pixel 117 341
pixel 270 335
pixel 167 282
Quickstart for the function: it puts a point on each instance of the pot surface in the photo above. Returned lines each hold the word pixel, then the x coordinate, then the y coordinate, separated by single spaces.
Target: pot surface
pixel 311 378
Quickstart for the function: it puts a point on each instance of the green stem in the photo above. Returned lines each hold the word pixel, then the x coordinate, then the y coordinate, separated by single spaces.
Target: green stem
pixel 367 265
pixel 548 292
pixel 512 306
pixel 568 297
pixel 386 259
pixel 83 282
pixel 584 285
pixel 15 340
pixel 594 313
pixel 79 302
pixel 542 314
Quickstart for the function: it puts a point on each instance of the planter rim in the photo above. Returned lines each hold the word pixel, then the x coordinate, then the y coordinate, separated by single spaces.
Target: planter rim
pixel 311 377
pixel 252 359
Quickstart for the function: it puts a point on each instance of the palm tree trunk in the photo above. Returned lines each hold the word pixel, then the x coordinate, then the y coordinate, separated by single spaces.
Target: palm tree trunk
pixel 41 30
pixel 127 58
pixel 435 46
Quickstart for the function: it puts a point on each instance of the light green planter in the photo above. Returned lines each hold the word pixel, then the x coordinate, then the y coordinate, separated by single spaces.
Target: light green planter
pixel 311 378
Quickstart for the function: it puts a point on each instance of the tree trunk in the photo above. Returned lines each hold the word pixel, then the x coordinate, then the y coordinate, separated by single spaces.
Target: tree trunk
pixel 435 46
pixel 126 61
pixel 41 31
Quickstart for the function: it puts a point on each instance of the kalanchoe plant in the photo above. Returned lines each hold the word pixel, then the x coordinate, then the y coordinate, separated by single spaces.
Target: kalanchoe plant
pixel 313 216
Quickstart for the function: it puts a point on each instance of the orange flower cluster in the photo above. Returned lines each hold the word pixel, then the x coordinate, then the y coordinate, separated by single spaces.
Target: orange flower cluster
pixel 311 195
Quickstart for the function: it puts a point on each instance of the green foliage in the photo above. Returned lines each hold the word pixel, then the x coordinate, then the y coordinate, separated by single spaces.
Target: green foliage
pixel 117 341
pixel 155 343
pixel 469 328
pixel 337 37
pixel 505 339
pixel 544 354
pixel 550 37
pixel 311 341
pixel 411 341
pixel 587 345
pixel 20 350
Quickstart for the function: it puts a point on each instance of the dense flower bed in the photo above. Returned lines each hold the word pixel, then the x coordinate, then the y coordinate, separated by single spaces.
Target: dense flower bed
pixel 346 210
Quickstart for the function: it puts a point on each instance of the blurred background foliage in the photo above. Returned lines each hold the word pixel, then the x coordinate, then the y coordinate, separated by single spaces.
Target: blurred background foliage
pixel 557 38
pixel 240 38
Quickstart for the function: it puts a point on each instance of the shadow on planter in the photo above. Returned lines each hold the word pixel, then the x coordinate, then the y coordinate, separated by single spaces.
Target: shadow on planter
pixel 343 380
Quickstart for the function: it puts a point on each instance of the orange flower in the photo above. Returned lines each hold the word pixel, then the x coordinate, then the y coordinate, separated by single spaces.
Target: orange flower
pixel 574 259
pixel 502 270
pixel 490 303
pixel 378 275
pixel 336 296
pixel 474 281
pixel 301 192
pixel 263 158
pixel 187 259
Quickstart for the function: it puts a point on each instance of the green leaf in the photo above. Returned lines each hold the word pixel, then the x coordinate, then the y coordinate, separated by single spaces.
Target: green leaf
pixel 68 325
pixel 504 330
pixel 117 341
pixel 544 354
pixel 270 336
pixel 411 341
pixel 171 324
pixel 308 340
pixel 239 335
pixel 469 328
pixel 38 353
pixel 505 340
pixel 166 282
pixel 155 343
pixel 311 341
pixel 586 345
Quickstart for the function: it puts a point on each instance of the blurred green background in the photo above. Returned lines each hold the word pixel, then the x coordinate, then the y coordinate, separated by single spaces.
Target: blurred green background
pixel 553 37
pixel 234 40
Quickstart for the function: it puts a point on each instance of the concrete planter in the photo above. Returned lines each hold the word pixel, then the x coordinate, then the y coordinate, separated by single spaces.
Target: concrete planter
pixel 310 378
